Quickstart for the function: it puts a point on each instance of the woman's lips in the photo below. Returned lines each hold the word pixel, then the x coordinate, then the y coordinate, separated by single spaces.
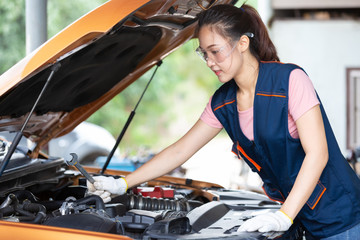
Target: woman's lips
pixel 217 72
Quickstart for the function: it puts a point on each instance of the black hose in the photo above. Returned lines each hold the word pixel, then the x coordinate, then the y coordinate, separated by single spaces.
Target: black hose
pixel 32 212
pixel 6 211
pixel 39 209
pixel 99 203
pixel 147 203
pixel 18 209
pixel 54 205
pixel 25 194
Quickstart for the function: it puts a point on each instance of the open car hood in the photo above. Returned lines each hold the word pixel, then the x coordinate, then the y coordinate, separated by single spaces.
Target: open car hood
pixel 98 56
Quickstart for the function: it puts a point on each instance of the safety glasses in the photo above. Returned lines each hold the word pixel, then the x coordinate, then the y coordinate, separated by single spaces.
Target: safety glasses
pixel 216 54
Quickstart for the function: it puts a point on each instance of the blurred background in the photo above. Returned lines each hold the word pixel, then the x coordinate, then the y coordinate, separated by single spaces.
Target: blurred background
pixel 321 36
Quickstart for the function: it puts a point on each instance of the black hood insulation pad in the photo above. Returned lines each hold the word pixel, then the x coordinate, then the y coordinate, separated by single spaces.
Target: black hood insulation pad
pixel 85 75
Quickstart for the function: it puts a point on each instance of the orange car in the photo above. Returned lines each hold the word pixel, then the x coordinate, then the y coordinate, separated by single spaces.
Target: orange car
pixel 63 82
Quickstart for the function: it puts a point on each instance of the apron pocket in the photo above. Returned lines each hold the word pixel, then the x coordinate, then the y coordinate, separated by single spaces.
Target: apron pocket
pixel 316 195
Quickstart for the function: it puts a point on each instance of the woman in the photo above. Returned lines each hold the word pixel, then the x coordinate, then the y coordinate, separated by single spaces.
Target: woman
pixel 277 124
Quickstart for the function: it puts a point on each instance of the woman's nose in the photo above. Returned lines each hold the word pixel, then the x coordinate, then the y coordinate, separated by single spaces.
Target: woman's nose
pixel 209 62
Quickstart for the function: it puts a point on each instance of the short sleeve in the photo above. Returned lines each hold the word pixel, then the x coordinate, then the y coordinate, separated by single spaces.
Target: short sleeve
pixel 302 95
pixel 209 117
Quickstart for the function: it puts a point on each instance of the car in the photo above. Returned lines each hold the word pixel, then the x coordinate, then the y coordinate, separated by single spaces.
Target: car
pixel 56 88
pixel 88 140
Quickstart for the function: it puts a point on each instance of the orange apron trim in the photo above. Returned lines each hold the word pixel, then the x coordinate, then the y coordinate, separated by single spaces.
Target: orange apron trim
pixel 224 105
pixel 270 95
pixel 249 158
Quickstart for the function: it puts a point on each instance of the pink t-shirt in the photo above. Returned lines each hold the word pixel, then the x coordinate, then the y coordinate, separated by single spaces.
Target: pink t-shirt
pixel 302 97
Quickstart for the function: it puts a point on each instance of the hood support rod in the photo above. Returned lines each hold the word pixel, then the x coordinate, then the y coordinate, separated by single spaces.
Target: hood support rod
pixel 131 116
pixel 19 134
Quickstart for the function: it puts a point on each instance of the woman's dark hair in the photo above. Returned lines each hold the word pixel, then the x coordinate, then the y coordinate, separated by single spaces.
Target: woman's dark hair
pixel 232 22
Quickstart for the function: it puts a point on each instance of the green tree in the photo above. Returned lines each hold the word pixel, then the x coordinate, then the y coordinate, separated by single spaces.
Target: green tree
pixel 12 25
pixel 64 12
pixel 12 33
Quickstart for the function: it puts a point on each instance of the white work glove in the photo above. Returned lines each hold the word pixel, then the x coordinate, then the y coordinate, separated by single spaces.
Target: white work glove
pixel 110 184
pixel 278 222
pixel 105 186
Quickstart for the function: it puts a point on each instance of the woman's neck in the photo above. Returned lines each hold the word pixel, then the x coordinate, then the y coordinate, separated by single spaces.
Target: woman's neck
pixel 247 77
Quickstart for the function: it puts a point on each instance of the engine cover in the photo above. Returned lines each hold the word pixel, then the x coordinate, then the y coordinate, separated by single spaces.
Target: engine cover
pixel 84 221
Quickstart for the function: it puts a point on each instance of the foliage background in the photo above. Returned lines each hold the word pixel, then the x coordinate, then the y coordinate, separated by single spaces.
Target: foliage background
pixel 175 98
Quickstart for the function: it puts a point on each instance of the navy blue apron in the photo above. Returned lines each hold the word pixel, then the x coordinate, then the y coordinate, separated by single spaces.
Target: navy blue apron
pixel 334 205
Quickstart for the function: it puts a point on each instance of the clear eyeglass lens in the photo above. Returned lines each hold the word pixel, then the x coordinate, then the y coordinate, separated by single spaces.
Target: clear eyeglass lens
pixel 222 53
pixel 217 55
pixel 202 54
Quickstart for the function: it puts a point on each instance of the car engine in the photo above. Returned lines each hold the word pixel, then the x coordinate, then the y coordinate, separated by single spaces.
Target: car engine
pixel 48 192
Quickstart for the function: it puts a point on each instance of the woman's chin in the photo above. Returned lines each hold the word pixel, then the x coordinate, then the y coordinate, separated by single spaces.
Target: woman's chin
pixel 223 79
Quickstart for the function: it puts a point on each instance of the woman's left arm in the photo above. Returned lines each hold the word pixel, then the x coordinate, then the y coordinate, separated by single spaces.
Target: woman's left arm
pixel 312 136
pixel 313 140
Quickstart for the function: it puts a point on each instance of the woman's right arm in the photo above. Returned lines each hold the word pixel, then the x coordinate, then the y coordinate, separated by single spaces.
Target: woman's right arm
pixel 174 155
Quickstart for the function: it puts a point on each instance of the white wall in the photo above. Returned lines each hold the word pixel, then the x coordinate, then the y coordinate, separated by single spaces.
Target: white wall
pixel 324 49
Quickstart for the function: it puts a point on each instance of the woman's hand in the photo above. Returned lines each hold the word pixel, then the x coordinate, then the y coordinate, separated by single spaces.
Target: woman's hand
pixel 268 222
pixel 106 186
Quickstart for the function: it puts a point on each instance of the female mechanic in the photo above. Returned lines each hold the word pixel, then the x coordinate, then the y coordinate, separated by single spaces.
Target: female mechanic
pixel 277 124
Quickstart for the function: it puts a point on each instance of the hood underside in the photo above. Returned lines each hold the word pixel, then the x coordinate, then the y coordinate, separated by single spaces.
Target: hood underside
pixel 98 56
pixel 85 75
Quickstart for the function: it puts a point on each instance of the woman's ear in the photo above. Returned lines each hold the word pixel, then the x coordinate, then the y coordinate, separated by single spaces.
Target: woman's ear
pixel 244 43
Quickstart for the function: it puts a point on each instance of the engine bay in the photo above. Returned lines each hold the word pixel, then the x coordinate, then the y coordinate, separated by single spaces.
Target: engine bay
pixel 50 193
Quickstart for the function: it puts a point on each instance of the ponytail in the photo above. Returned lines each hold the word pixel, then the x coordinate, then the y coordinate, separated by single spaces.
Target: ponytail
pixel 232 22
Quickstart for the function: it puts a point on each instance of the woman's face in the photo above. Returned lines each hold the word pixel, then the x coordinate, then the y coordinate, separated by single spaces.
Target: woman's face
pixel 221 55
